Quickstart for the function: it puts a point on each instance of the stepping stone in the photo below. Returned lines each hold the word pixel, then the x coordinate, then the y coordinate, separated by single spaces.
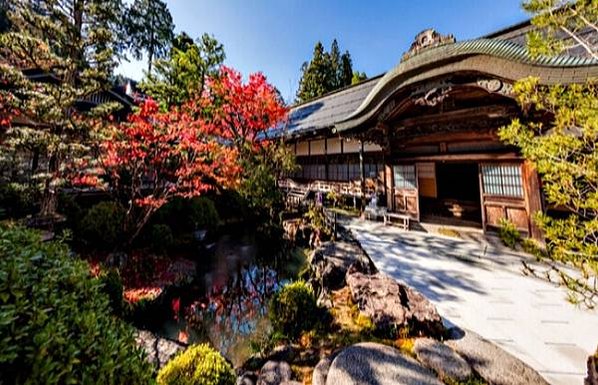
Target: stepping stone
pixel 442 359
pixel 375 364
pixel 274 373
pixel 158 350
pixel 492 363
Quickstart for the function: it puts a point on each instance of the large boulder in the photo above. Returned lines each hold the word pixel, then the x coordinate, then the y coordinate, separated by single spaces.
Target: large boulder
pixel 492 363
pixel 158 350
pixel 442 359
pixel 390 303
pixel 375 364
pixel 274 373
pixel 331 261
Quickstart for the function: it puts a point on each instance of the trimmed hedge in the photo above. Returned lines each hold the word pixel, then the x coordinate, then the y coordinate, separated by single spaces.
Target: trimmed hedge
pixel 56 325
pixel 198 365
pixel 103 226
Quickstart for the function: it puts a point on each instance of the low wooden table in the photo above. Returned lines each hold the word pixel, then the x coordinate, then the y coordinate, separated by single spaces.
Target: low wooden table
pixel 403 217
pixel 374 212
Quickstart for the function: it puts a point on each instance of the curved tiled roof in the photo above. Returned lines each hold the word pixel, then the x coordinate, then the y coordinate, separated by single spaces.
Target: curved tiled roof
pixel 500 49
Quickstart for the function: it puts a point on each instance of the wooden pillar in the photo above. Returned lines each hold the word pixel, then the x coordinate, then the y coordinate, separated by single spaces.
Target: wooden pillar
pixel 389 185
pixel 362 174
pixel 384 180
pixel 533 198
pixel 326 159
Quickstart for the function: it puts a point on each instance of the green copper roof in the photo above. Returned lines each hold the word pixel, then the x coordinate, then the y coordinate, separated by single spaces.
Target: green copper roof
pixel 437 55
pixel 506 50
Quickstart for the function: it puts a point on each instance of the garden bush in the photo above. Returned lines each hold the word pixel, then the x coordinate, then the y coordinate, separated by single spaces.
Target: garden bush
pixel 55 323
pixel 71 210
pixel 16 201
pixel 113 287
pixel 294 310
pixel 161 238
pixel 188 215
pixel 198 365
pixel 102 227
pixel 203 213
pixel 508 233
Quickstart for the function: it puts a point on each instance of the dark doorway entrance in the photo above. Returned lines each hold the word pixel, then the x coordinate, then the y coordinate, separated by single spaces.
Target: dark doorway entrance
pixel 457 200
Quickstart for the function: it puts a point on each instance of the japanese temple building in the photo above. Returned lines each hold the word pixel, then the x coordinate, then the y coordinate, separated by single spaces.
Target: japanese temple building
pixel 424 135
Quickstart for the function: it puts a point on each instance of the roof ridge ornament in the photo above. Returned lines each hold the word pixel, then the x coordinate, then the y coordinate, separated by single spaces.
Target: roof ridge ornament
pixel 426 39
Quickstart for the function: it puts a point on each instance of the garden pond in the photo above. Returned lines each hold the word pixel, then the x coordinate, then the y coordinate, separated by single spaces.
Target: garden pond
pixel 226 303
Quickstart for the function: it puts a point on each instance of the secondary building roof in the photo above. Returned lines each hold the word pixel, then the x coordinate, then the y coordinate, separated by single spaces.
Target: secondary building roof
pixel 323 112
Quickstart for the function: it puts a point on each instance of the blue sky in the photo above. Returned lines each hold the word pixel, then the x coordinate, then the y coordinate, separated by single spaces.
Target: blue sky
pixel 275 37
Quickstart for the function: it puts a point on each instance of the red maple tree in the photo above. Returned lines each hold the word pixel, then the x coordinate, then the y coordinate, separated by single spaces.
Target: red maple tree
pixel 155 156
pixel 241 112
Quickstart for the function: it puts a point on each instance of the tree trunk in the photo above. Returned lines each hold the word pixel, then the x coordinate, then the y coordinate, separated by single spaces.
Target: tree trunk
pixel 150 48
pixel 150 55
pixel 34 162
pixel 139 226
pixel 48 204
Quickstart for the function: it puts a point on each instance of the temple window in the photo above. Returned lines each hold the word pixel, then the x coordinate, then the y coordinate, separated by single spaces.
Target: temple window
pixel 502 180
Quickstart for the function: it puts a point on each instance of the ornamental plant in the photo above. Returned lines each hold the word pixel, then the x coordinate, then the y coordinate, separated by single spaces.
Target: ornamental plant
pixel 293 309
pixel 56 324
pixel 198 365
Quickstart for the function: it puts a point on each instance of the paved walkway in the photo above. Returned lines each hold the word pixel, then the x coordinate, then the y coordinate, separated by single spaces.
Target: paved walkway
pixel 528 317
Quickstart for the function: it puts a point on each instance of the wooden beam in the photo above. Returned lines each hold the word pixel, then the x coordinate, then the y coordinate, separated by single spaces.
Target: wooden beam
pixel 461 157
pixel 453 137
pixel 495 111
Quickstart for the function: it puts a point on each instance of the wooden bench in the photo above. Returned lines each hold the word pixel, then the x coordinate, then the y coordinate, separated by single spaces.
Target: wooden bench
pixel 374 212
pixel 403 217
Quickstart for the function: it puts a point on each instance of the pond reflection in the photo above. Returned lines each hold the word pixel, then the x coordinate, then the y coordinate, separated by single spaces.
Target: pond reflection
pixel 227 304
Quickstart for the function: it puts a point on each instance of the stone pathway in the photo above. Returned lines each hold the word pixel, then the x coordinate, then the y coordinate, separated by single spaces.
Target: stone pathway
pixel 480 288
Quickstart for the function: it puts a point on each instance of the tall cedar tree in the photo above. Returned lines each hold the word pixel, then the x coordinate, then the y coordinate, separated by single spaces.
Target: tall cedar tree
pixel 564 150
pixel 71 43
pixel 335 65
pixel 345 73
pixel 325 72
pixel 150 28
pixel 176 78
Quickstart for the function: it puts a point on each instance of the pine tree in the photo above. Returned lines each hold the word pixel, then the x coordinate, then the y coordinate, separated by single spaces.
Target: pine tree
pixel 184 72
pixel 150 28
pixel 72 44
pixel 563 150
pixel 563 25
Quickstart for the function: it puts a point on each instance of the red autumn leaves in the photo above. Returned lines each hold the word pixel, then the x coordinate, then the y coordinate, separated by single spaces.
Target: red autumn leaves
pixel 157 155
